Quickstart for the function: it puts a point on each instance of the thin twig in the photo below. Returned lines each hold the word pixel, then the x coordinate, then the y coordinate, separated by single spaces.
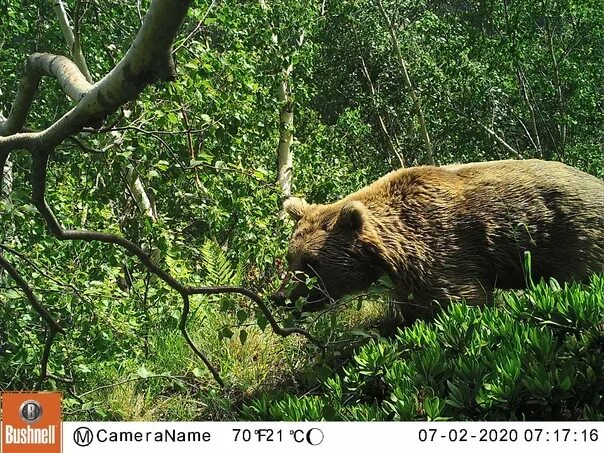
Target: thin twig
pixel 196 29
pixel 185 119
pixel 282 331
pixel 63 379
pixel 3 160
pixel 41 271
pixel 381 121
pixel 417 104
pixel 141 130
pixel 505 144
pixel 183 328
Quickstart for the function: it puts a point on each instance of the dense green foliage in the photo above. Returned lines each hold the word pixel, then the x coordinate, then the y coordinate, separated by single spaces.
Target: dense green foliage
pixel 538 356
pixel 204 147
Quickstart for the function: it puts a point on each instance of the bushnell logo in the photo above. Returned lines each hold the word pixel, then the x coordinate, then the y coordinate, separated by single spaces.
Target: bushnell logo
pixel 30 411
pixel 31 422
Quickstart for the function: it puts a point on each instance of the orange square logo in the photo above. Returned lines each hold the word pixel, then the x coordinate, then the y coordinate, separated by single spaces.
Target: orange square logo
pixel 31 422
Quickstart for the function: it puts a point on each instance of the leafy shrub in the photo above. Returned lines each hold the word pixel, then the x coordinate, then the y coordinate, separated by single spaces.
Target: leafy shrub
pixel 538 356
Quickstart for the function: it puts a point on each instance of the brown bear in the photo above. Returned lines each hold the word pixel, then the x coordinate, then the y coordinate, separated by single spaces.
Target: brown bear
pixel 450 233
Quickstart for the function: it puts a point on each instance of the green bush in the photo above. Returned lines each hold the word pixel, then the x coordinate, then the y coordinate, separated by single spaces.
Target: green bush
pixel 538 356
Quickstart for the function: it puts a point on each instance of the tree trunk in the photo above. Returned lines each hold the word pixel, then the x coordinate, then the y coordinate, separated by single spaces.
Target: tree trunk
pixel 145 205
pixel 286 136
pixel 7 179
pixel 6 167
pixel 133 181
pixel 286 122
pixel 73 40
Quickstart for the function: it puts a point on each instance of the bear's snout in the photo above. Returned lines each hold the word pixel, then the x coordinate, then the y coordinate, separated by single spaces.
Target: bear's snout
pixel 316 298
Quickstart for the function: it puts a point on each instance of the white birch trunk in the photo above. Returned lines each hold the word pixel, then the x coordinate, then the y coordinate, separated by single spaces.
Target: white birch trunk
pixel 135 185
pixel 285 156
pixel 137 189
pixel 73 42
pixel 286 136
pixel 7 180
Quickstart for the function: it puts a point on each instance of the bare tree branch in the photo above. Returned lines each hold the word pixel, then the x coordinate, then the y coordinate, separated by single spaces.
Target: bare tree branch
pixel 282 331
pixel 137 190
pixel 183 328
pixel 144 131
pixel 5 175
pixel 197 27
pixel 71 80
pixel 556 78
pixel 63 379
pixel 181 379
pixel 148 60
pixel 72 287
pixel 50 337
pixel 189 132
pixel 39 168
pixel 133 180
pixel 38 199
pixel 525 97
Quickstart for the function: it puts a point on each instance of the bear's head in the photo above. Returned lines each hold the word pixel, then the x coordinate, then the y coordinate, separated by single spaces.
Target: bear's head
pixel 337 244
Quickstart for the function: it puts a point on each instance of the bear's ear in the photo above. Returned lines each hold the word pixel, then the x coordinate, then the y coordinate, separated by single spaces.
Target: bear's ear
pixel 353 216
pixel 295 207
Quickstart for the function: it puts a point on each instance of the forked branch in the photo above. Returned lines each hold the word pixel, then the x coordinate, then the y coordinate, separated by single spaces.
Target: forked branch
pixel 38 198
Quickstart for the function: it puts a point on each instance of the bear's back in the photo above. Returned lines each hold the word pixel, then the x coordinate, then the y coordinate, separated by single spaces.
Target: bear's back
pixel 548 208
pixel 490 213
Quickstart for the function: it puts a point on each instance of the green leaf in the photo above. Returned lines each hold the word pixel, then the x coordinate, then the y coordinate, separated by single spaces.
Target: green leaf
pixel 172 118
pixel 262 322
pixel 144 373
pixel 242 336
pixel 242 316
pixel 225 332
pixel 361 333
pixel 162 165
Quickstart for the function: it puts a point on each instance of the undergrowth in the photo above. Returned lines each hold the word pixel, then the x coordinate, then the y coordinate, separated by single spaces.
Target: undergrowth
pixel 539 356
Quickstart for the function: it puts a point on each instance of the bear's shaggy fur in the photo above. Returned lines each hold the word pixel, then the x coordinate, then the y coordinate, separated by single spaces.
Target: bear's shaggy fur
pixel 451 233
